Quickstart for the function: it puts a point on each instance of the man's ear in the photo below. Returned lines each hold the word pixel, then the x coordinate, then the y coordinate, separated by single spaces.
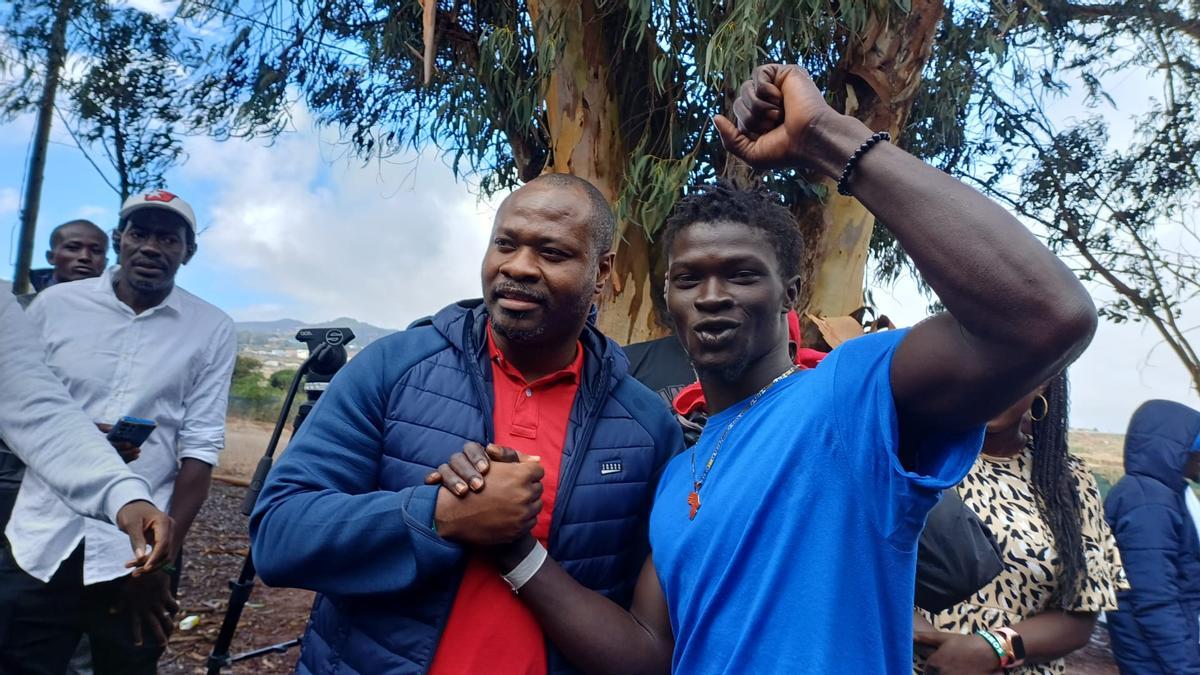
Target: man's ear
pixel 116 243
pixel 603 270
pixel 191 251
pixel 791 293
pixel 50 256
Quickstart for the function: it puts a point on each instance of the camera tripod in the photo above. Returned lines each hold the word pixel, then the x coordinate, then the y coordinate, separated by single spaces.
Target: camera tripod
pixel 327 354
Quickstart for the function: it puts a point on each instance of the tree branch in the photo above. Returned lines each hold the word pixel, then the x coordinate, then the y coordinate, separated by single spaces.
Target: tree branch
pixel 1162 17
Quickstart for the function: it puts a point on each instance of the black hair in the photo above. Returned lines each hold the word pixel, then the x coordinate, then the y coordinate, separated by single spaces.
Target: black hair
pixel 756 207
pixel 1058 491
pixel 603 222
pixel 56 233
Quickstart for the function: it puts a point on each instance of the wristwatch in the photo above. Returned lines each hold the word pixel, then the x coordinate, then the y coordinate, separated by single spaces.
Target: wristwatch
pixel 1014 644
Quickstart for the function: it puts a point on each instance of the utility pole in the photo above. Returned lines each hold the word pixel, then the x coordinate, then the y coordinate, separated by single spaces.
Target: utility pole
pixel 56 55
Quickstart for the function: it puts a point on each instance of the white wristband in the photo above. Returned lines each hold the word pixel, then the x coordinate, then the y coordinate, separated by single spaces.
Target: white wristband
pixel 529 566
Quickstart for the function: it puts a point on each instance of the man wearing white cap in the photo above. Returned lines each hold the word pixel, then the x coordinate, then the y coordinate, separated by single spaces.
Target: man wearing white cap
pixel 147 349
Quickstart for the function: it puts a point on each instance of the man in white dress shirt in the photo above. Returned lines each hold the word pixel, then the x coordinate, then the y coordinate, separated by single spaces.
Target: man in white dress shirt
pixel 127 343
pixel 46 429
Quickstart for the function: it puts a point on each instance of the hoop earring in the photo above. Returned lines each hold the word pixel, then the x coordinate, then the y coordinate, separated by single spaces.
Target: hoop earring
pixel 1045 408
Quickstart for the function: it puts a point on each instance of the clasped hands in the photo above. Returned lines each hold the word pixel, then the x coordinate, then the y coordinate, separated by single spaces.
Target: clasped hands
pixel 496 515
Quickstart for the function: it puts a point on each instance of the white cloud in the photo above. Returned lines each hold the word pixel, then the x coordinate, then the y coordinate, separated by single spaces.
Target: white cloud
pixel 164 9
pixel 385 243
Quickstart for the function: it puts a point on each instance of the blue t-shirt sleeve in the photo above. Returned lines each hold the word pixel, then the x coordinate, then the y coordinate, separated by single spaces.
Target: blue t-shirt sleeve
pixel 867 422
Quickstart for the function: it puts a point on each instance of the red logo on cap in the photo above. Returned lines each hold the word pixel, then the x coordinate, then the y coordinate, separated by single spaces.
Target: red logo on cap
pixel 160 196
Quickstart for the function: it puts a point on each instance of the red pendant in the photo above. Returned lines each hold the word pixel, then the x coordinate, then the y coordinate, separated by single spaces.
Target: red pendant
pixel 694 502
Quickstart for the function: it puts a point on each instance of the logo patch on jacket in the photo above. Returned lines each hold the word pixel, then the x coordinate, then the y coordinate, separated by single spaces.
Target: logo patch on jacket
pixel 610 467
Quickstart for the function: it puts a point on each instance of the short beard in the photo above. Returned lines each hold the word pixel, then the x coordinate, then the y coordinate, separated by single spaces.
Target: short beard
pixel 148 287
pixel 541 334
pixel 519 336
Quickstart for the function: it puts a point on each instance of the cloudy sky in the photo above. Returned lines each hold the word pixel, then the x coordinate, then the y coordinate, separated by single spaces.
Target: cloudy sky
pixel 294 229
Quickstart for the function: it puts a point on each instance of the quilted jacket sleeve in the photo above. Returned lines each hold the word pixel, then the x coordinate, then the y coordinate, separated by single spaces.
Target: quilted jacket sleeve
pixel 321 522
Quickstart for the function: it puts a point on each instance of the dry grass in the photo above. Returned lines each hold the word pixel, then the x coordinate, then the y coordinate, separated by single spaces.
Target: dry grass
pixel 245 443
pixel 1104 454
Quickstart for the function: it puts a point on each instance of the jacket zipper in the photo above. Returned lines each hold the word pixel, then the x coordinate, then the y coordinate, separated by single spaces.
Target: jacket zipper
pixel 566 484
pixel 477 383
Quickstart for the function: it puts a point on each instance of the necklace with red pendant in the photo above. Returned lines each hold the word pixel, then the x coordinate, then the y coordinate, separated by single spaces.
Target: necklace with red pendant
pixel 693 499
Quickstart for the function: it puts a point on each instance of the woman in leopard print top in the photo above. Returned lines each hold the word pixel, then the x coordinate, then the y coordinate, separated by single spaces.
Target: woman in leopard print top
pixel 1062 567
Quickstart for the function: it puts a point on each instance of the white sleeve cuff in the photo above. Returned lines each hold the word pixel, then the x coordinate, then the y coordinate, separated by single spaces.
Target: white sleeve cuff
pixel 123 491
pixel 208 454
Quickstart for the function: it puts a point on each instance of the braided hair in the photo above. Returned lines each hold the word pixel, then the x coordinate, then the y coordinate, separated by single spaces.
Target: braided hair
pixel 1057 490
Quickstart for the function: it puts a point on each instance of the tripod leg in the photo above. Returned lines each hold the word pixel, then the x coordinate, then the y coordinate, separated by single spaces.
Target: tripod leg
pixel 239 594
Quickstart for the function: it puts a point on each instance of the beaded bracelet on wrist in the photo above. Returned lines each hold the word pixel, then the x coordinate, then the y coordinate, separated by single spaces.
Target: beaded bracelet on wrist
pixel 843 184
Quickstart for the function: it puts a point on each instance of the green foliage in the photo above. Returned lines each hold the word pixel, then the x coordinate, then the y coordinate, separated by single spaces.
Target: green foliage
pixel 282 379
pixel 1119 214
pixel 255 391
pixel 253 395
pixel 981 111
pixel 129 101
pixel 650 189
pixel 247 368
pixel 126 94
pixel 358 66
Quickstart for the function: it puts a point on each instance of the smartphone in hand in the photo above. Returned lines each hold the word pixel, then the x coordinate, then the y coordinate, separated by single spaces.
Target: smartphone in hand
pixel 131 430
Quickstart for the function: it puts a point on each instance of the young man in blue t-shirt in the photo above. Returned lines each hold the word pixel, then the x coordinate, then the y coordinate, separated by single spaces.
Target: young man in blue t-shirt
pixel 785 540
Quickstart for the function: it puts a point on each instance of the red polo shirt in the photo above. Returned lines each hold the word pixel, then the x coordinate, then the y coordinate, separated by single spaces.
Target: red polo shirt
pixel 489 629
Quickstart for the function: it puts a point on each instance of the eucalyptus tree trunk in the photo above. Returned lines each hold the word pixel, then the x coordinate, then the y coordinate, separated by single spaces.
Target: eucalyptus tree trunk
pixel 584 124
pixel 877 81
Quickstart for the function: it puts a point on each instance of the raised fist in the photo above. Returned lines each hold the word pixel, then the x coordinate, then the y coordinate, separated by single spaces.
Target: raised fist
pixel 777 110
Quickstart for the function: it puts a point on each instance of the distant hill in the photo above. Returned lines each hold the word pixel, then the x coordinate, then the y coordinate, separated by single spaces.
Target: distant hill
pixel 251 332
pixel 272 327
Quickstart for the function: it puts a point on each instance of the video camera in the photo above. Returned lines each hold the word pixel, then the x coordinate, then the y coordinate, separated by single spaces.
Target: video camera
pixel 327 355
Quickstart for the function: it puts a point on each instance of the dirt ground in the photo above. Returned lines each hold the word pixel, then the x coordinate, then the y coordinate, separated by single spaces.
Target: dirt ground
pixel 217 545
pixel 213 556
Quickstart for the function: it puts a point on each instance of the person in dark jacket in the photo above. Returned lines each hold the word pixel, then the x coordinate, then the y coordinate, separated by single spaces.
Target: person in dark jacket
pixel 78 250
pixel 401 567
pixel 1157 626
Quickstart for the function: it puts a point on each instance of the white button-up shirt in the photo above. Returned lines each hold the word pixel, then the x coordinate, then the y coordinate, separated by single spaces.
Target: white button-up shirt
pixel 49 433
pixel 172 364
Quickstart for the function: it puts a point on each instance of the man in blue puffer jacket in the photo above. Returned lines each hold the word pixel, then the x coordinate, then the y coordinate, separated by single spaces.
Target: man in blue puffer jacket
pixel 400 567
pixel 1157 627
